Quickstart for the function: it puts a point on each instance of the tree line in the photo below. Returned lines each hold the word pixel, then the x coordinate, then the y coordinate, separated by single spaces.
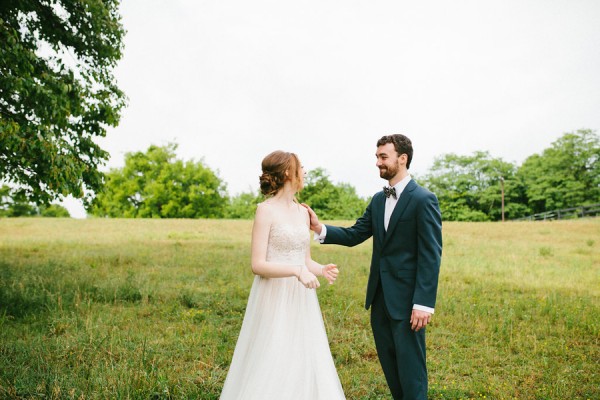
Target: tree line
pixel 156 184
pixel 565 175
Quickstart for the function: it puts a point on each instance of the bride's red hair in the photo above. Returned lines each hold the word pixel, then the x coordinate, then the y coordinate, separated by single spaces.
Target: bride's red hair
pixel 277 168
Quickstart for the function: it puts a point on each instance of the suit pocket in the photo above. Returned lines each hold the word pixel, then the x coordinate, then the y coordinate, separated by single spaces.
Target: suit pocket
pixel 408 223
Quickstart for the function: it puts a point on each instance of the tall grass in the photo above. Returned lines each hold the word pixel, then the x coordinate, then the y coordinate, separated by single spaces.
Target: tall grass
pixel 151 309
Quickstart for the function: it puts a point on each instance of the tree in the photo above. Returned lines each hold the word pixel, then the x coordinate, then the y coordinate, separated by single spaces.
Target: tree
pixel 54 211
pixel 243 206
pixel 328 200
pixel 468 187
pixel 18 205
pixel 331 201
pixel 57 94
pixel 15 205
pixel 157 185
pixel 565 175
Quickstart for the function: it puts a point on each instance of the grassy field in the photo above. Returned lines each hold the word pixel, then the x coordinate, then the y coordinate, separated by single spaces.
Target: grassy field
pixel 151 309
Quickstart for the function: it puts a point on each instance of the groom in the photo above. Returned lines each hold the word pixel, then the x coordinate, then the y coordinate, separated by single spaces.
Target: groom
pixel 405 222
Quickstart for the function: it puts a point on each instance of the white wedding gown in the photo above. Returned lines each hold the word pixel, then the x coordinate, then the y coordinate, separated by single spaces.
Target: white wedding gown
pixel 282 352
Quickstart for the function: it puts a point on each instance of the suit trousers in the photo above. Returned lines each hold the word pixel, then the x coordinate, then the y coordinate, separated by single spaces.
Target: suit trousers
pixel 401 352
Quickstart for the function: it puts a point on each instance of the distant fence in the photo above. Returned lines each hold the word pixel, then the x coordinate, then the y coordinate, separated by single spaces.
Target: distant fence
pixel 591 210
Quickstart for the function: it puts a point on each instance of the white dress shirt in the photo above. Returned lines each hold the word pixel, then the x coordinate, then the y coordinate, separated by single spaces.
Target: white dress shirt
pixel 390 203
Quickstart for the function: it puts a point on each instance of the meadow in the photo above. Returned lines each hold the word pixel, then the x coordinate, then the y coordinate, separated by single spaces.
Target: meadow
pixel 151 309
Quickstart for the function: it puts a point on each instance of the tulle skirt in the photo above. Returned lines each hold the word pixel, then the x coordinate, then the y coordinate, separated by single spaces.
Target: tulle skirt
pixel 282 352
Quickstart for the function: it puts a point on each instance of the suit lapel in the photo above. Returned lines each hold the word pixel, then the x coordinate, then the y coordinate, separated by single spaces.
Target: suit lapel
pixel 378 215
pixel 400 207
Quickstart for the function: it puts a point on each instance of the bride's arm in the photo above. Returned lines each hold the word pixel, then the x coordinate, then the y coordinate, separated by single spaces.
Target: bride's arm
pixel 328 271
pixel 267 269
pixel 313 266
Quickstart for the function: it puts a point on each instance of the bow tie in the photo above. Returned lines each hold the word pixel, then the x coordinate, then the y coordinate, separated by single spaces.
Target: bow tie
pixel 389 191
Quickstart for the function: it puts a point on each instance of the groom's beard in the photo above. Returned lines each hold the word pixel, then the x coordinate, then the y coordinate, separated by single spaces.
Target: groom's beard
pixel 388 173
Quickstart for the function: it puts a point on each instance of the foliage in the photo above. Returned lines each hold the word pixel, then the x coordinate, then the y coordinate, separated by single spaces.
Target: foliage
pixel 151 309
pixel 565 175
pixel 469 187
pixel 331 201
pixel 243 205
pixel 53 211
pixel 157 185
pixel 17 205
pixel 57 94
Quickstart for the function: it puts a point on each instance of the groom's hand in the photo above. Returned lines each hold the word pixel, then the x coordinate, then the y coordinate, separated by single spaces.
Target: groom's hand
pixel 315 225
pixel 419 320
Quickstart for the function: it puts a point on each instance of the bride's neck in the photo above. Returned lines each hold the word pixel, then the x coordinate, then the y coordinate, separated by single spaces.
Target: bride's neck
pixel 286 196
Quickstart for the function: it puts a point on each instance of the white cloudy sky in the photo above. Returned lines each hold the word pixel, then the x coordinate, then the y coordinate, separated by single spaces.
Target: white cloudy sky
pixel 232 80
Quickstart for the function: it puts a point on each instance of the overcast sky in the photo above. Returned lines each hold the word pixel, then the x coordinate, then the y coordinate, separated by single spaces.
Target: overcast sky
pixel 232 80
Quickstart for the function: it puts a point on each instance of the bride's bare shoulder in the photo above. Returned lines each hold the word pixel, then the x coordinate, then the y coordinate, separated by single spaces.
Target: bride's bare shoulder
pixel 303 210
pixel 265 205
pixel 264 209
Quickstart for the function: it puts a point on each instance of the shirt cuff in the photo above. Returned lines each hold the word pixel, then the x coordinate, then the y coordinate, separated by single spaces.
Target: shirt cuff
pixel 321 237
pixel 423 308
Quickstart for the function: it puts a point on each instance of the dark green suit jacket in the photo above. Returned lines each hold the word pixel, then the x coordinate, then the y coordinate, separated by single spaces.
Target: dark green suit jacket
pixel 406 259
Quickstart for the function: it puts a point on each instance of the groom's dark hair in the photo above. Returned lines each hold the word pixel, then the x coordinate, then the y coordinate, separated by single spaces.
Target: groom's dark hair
pixel 402 144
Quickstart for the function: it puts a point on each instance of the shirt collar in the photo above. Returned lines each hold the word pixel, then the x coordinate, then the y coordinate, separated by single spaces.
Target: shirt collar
pixel 402 184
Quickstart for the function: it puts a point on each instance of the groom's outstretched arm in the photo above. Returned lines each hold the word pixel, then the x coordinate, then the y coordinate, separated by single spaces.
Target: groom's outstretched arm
pixel 356 234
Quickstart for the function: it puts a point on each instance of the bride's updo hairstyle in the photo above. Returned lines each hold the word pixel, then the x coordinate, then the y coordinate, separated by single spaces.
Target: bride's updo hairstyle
pixel 274 168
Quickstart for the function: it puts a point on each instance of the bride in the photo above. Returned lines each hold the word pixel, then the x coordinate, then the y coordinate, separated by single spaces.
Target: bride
pixel 282 351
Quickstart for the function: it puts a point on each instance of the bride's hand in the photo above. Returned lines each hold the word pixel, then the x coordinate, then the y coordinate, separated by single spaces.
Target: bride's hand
pixel 330 272
pixel 308 279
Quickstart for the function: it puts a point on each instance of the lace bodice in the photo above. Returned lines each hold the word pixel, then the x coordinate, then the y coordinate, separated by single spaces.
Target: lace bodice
pixel 288 243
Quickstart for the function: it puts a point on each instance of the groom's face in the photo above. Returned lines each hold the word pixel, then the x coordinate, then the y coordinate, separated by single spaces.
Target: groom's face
pixel 387 161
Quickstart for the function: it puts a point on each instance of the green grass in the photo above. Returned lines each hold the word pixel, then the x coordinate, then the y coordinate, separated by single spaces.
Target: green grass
pixel 151 309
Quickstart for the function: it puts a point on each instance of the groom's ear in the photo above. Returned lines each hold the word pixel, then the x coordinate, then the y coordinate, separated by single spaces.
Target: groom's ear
pixel 403 158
